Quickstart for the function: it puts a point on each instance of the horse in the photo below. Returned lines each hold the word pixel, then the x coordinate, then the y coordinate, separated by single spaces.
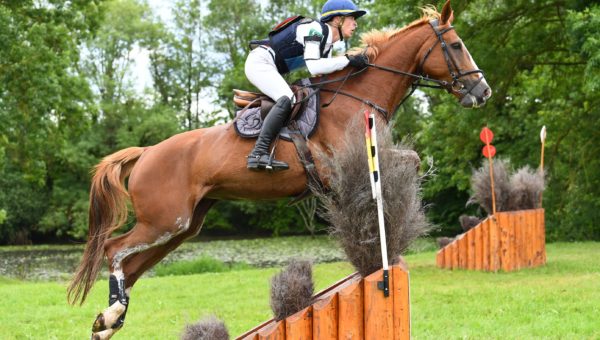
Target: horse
pixel 173 184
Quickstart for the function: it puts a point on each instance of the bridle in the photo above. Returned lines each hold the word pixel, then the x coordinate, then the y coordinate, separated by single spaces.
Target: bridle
pixel 456 86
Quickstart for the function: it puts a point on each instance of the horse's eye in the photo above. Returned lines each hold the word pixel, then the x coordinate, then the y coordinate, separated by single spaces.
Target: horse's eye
pixel 456 45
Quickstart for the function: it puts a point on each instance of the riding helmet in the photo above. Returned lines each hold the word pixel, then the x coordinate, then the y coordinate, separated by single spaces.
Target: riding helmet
pixel 333 8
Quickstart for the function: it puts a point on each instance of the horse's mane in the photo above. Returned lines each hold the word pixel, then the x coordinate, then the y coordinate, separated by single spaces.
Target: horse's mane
pixel 374 39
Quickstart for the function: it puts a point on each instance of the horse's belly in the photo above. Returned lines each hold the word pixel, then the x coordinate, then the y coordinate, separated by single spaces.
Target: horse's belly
pixel 260 185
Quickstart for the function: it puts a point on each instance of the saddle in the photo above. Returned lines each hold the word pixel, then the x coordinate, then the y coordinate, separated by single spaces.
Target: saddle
pixel 252 108
pixel 247 99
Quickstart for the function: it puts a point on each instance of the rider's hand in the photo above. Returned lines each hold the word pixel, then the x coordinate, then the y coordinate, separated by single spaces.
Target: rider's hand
pixel 358 60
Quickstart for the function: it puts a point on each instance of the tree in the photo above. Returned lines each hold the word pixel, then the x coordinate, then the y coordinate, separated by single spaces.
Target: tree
pixel 43 101
pixel 533 54
pixel 232 24
pixel 181 68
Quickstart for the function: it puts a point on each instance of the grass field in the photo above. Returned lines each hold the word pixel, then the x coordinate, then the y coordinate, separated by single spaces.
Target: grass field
pixel 558 301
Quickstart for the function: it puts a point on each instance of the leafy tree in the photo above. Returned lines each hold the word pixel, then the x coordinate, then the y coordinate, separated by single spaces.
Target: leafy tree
pixel 181 67
pixel 232 24
pixel 533 54
pixel 43 100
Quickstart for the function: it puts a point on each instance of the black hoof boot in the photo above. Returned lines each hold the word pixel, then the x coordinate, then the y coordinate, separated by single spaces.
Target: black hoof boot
pixel 264 162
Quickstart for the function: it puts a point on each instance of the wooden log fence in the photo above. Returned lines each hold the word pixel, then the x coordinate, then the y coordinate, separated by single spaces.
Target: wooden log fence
pixel 506 241
pixel 353 308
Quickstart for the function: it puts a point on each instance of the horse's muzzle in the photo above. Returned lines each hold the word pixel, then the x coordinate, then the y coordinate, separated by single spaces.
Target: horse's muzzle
pixel 476 94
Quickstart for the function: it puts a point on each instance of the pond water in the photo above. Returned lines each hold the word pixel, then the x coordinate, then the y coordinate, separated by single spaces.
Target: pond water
pixel 57 263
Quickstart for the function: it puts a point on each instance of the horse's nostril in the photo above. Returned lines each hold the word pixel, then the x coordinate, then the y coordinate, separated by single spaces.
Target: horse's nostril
pixel 487 93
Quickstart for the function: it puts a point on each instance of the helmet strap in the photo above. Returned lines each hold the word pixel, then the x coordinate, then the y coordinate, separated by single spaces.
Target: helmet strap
pixel 339 27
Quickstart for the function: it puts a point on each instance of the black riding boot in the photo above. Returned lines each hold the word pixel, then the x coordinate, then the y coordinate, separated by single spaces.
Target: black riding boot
pixel 259 158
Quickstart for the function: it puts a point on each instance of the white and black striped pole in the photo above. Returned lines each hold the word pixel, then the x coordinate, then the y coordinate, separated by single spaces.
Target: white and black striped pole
pixel 375 176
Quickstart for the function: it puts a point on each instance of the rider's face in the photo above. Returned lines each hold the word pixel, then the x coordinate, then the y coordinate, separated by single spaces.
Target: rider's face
pixel 349 26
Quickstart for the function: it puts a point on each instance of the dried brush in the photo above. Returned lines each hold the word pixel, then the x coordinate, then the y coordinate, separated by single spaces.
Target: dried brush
pixel 444 241
pixel 209 328
pixel 481 186
pixel 526 186
pixel 350 209
pixel 292 289
pixel 468 222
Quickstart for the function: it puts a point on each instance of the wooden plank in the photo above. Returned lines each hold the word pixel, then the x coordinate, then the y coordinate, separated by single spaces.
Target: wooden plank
pixel 530 226
pixel 494 245
pixel 350 309
pixel 299 326
pixel 378 310
pixel 513 220
pixel 504 227
pixel 478 247
pixel 540 237
pixel 273 331
pixel 541 220
pixel 253 333
pixel 462 252
pixel 325 316
pixel 520 227
pixel 485 244
pixel 248 336
pixel 401 296
pixel 471 249
pixel 453 247
pixel 447 257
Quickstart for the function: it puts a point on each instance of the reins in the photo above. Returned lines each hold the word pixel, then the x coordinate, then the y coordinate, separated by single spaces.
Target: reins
pixel 455 86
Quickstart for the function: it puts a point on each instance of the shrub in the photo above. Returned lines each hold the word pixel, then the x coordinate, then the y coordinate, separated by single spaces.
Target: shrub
pixel 201 265
pixel 209 328
pixel 350 208
pixel 292 289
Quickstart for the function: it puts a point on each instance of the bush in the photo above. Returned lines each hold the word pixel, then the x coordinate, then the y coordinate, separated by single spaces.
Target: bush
pixel 201 265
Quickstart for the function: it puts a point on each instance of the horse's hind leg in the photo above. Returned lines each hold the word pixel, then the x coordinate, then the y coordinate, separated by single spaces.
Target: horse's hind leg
pixel 130 255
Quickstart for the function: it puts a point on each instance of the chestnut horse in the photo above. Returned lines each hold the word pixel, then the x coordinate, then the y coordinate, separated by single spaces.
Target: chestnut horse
pixel 173 184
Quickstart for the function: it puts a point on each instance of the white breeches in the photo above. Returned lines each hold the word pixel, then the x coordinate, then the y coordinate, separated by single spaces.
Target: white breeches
pixel 261 71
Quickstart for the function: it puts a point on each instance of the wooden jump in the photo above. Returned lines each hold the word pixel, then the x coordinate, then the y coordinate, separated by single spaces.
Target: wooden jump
pixel 507 241
pixel 353 308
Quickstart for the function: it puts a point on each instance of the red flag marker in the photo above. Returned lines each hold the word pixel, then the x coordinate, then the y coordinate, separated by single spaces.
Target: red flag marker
pixel 486 135
pixel 489 151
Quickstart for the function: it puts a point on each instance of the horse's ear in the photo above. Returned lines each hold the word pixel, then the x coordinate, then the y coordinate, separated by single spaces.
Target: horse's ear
pixel 447 13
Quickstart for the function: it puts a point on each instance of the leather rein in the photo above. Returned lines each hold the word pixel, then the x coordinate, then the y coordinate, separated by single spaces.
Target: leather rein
pixel 456 86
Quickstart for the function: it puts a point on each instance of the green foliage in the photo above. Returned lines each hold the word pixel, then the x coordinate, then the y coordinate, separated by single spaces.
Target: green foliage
pixel 247 217
pixel 67 99
pixel 201 265
pixel 534 55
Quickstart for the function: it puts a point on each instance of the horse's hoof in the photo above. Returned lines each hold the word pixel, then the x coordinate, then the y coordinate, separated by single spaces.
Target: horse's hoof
pixel 99 325
pixel 104 335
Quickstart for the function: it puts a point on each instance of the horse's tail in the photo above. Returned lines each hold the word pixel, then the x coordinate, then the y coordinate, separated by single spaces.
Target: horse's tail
pixel 107 212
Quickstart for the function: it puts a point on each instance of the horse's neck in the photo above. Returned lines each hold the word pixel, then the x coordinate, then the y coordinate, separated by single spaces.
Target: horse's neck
pixel 387 89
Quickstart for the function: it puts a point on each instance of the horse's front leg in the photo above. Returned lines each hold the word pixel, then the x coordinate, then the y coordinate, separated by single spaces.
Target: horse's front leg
pixel 112 318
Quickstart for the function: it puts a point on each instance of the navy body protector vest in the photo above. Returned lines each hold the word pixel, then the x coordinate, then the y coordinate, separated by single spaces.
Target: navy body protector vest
pixel 289 53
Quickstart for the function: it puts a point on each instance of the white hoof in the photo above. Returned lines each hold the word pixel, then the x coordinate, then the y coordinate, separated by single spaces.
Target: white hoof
pixel 105 334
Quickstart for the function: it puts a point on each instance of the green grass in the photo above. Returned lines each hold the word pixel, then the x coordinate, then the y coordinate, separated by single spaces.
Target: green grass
pixel 204 264
pixel 558 301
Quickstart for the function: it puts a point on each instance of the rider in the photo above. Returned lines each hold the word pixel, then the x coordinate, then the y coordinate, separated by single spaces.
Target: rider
pixel 303 42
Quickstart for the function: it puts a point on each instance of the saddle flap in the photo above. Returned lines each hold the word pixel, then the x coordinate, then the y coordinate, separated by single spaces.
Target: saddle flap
pixel 248 120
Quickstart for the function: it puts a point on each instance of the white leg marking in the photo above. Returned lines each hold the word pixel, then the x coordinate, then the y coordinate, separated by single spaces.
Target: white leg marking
pixel 112 313
pixel 105 334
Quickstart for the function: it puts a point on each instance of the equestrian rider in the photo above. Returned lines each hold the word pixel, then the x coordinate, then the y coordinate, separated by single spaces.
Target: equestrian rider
pixel 301 43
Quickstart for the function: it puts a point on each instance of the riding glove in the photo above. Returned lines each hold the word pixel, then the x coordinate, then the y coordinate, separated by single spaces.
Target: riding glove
pixel 359 60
